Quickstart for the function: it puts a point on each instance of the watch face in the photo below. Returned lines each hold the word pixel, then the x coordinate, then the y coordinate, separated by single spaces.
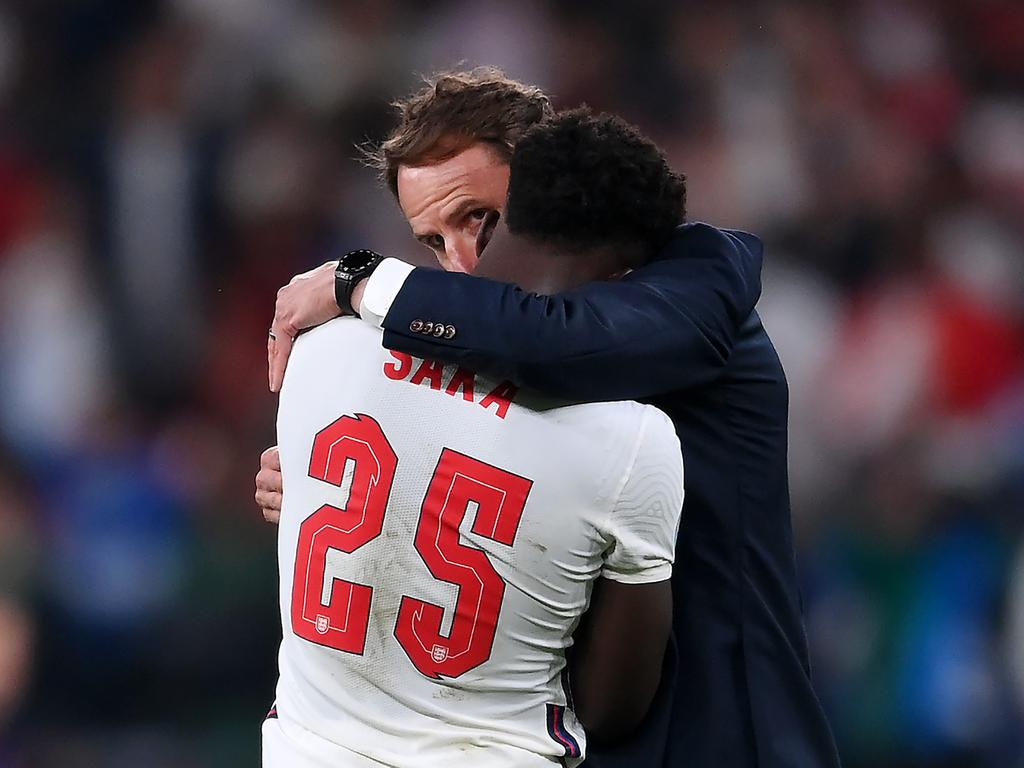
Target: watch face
pixel 357 260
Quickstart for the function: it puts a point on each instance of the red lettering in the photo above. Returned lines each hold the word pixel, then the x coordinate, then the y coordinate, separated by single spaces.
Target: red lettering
pixel 501 396
pixel 459 482
pixel 400 371
pixel 341 622
pixel 463 380
pixel 500 498
pixel 428 370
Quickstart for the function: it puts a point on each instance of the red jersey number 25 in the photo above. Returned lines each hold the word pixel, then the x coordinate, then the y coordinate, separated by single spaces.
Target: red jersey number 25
pixel 341 622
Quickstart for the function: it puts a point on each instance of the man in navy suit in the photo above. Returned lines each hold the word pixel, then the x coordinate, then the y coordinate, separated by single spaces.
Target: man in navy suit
pixel 680 333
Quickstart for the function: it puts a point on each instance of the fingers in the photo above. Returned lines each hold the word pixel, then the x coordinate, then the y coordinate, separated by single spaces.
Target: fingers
pixel 270 505
pixel 271 346
pixel 279 347
pixel 272 516
pixel 308 300
pixel 269 480
pixel 271 458
pixel 279 361
pixel 269 500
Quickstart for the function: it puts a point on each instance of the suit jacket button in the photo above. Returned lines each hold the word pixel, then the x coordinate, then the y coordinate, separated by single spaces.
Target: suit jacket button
pixel 416 326
pixel 438 330
pixel 428 328
pixel 449 331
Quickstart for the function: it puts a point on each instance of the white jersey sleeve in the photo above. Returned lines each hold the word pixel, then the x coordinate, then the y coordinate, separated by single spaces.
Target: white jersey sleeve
pixel 642 525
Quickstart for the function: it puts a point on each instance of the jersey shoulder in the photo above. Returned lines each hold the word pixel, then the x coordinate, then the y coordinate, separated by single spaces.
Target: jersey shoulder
pixel 338 347
pixel 624 422
pixel 612 443
pixel 331 344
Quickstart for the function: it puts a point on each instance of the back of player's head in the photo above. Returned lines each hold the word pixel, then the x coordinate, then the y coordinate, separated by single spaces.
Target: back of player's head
pixel 453 110
pixel 584 181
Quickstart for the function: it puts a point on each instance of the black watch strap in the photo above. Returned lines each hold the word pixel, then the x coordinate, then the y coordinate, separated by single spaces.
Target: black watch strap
pixel 353 267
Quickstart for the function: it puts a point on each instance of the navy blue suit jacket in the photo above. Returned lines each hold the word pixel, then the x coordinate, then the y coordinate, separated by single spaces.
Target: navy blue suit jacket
pixel 682 334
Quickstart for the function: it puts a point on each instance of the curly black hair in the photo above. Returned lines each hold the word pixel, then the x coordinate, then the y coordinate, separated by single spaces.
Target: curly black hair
pixel 582 180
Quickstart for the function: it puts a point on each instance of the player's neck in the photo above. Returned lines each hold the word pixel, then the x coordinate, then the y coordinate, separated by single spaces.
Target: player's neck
pixel 551 271
pixel 552 268
pixel 545 268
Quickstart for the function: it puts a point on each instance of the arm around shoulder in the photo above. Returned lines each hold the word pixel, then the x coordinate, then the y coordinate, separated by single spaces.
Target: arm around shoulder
pixel 667 326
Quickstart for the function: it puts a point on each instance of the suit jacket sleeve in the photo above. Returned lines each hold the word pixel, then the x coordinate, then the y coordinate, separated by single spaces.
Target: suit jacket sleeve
pixel 668 326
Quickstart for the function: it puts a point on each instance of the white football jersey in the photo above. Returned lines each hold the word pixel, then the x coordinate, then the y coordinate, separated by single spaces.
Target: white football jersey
pixel 439 538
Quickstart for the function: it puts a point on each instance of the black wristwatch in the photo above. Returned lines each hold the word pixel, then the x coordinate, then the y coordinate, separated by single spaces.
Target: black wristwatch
pixel 353 267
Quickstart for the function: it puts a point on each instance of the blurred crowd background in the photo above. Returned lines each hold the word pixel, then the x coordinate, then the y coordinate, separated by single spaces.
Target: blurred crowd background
pixel 166 166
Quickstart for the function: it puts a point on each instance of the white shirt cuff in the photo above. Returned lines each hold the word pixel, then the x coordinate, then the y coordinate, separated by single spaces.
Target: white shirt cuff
pixel 381 289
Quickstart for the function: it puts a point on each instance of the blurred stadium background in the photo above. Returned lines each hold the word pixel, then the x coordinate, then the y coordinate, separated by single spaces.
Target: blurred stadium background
pixel 164 167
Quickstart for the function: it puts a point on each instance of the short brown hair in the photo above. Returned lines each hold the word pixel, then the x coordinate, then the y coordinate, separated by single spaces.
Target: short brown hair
pixel 453 110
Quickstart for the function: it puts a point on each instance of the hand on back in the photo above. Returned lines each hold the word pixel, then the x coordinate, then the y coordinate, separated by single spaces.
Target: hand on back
pixel 307 301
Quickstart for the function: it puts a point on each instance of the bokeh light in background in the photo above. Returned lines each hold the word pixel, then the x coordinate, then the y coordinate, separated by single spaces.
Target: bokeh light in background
pixel 164 167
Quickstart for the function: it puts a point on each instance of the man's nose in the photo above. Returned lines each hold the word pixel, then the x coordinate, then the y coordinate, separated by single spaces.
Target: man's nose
pixel 462 254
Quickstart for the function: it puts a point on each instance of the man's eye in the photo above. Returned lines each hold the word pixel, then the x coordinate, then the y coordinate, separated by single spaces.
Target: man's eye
pixel 475 219
pixel 435 242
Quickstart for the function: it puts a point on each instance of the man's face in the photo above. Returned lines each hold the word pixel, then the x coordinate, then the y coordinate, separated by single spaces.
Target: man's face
pixel 447 202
